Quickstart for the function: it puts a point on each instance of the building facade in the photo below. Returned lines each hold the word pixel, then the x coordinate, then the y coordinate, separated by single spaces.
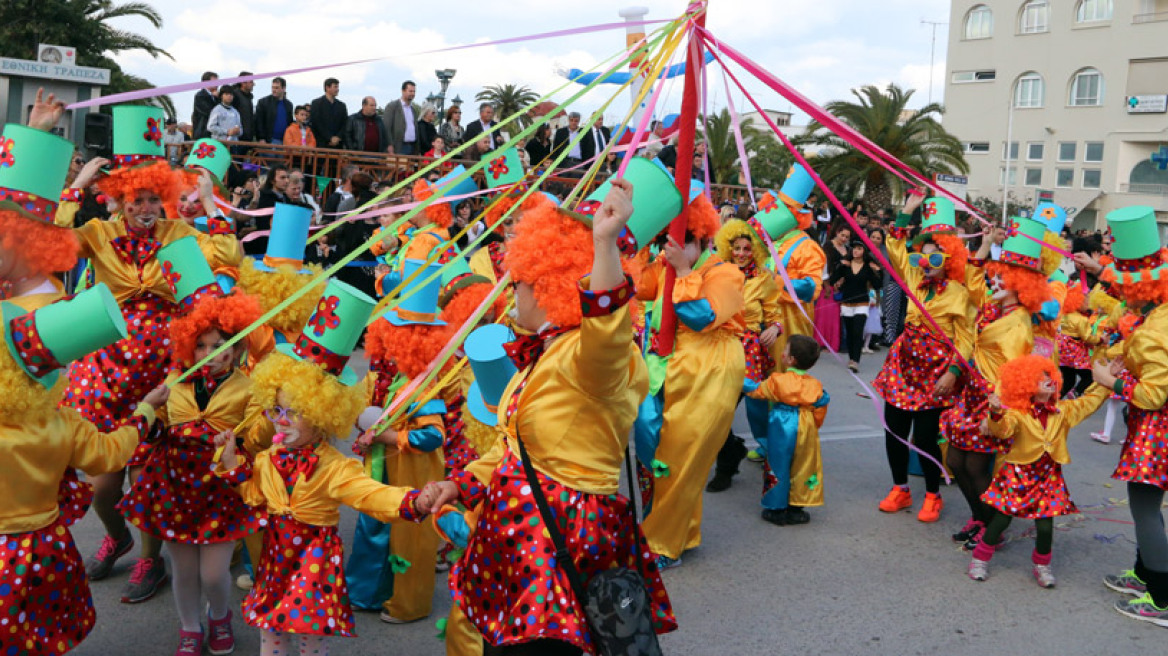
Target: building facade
pixel 1066 96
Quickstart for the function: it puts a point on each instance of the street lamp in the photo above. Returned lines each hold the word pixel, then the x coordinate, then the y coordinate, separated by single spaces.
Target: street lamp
pixel 445 75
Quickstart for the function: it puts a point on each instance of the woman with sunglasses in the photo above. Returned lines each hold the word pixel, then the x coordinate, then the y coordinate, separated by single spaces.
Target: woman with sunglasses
pixel 919 375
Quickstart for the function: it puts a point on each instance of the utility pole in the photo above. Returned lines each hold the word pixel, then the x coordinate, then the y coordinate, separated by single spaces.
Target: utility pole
pixel 932 52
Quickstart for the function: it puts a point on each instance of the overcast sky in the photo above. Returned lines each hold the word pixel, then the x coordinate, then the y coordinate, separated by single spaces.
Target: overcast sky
pixel 823 48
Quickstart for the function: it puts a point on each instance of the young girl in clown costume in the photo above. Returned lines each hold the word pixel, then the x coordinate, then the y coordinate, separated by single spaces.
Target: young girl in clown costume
pixel 921 370
pixel 312 397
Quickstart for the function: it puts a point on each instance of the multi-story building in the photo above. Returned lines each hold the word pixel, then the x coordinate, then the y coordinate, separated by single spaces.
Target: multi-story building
pixel 1067 96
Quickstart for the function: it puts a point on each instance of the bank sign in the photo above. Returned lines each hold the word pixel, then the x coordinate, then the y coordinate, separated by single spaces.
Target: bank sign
pixel 49 71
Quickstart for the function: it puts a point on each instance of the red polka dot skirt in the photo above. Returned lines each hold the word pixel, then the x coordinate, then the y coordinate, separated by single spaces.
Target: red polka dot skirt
pixel 1145 451
pixel 1073 353
pixel 759 362
pixel 961 424
pixel 915 363
pixel 1033 491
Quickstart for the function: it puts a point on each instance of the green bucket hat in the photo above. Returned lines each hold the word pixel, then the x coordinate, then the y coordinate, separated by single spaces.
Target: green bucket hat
pixel 1137 250
pixel 33 168
pixel 938 217
pixel 1023 245
pixel 45 341
pixel 185 269
pixel 333 331
pixel 656 202
pixel 138 134
pixel 211 155
pixel 503 168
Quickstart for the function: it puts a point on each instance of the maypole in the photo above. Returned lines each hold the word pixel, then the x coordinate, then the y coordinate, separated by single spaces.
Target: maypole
pixel 634 34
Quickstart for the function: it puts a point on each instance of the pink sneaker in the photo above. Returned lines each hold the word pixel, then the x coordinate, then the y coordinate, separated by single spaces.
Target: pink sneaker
pixel 220 639
pixel 1101 438
pixel 190 643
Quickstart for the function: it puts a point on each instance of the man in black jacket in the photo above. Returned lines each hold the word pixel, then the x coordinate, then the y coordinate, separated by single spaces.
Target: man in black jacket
pixel 486 122
pixel 364 131
pixel 205 101
pixel 328 116
pixel 243 103
pixel 273 114
pixel 595 140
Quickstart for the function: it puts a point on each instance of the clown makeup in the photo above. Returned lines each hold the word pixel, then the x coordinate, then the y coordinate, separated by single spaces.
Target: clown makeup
pixel 189 206
pixel 1046 389
pixel 207 343
pixel 143 210
pixel 742 251
pixel 295 428
pixel 998 288
pixel 932 272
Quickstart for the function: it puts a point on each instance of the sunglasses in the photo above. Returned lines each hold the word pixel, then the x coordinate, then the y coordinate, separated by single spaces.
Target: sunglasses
pixel 278 415
pixel 931 261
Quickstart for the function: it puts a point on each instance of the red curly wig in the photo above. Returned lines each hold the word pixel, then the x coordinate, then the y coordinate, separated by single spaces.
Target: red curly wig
pixel 1075 299
pixel 45 247
pixel 551 251
pixel 411 348
pixel 500 207
pixel 704 221
pixel 188 183
pixel 957 252
pixel 466 300
pixel 227 314
pixel 1031 287
pixel 438 212
pixel 157 177
pixel 1019 379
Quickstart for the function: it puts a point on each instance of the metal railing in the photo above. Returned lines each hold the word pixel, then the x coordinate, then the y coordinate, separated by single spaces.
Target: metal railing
pixel 1148 189
pixel 1153 17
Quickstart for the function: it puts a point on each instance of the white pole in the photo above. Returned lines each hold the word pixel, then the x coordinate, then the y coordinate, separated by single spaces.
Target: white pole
pixel 633 34
pixel 1006 177
pixel 932 52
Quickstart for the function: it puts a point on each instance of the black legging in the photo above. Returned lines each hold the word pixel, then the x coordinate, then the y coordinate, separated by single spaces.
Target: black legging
pixel 1070 374
pixel 534 648
pixel 1152 553
pixel 1044 531
pixel 973 473
pixel 925 428
pixel 854 327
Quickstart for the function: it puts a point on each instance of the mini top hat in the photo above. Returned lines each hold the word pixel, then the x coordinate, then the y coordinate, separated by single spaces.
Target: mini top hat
pixel 1137 252
pixel 656 201
pixel 1052 216
pixel 211 155
pixel 493 370
pixel 554 199
pixel 503 168
pixel 1023 245
pixel 332 332
pixel 797 188
pixel 445 186
pixel 45 341
pixel 185 269
pixel 33 168
pixel 938 217
pixel 419 305
pixel 775 217
pixel 456 276
pixel 289 235
pixel 138 134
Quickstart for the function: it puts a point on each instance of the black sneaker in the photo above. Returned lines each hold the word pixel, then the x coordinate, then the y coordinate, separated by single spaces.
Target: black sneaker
pixel 720 482
pixel 776 517
pixel 968 531
pixel 102 563
pixel 146 578
pixel 796 516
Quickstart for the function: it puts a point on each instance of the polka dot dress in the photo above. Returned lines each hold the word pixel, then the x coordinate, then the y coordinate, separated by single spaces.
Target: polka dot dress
pixel 179 499
pixel 1145 450
pixel 508 583
pixel 456 450
pixel 1073 353
pixel 759 363
pixel 915 363
pixel 1032 491
pixel 961 424
pixel 45 604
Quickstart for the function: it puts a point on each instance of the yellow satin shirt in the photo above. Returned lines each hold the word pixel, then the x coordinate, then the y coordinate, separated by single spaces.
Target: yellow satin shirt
pixel 761 297
pixel 577 408
pixel 719 283
pixel 951 309
pixel 226 409
pixel 808 261
pixel 1145 354
pixel 1031 440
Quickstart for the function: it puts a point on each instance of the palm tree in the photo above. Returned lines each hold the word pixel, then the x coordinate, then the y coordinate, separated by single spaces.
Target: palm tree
pixel 83 24
pixel 913 137
pixel 509 99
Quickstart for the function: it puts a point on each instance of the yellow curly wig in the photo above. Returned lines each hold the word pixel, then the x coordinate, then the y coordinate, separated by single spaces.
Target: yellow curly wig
pixel 551 251
pixel 1102 302
pixel 272 287
pixel 732 231
pixel 1052 260
pixel 45 247
pixel 1019 379
pixel 157 177
pixel 438 213
pixel 25 401
pixel 227 314
pixel 329 406
pixel 480 436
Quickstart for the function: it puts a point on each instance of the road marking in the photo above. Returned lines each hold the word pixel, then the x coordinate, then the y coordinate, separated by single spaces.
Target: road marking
pixel 856 432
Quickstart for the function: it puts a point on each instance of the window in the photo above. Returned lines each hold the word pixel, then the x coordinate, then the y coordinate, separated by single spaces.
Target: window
pixel 1066 151
pixel 1029 91
pixel 1013 176
pixel 1091 178
pixel 967 77
pixel 977 147
pixel 979 23
pixel 1093 151
pixel 1035 150
pixel 1093 10
pixel 1035 17
pixel 1064 177
pixel 1033 177
pixel 1010 151
pixel 1087 88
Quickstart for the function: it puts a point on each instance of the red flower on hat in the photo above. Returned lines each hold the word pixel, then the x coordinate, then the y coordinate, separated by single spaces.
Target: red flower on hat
pixel 325 316
pixel 768 203
pixel 1012 229
pixel 588 207
pixel 499 167
pixel 153 132
pixel 170 275
pixel 6 156
pixel 205 150
pixel 930 210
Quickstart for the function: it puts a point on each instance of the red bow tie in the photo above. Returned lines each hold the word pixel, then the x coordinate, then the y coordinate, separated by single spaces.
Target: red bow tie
pixel 136 249
pixel 209 382
pixel 937 285
pixel 527 349
pixel 290 462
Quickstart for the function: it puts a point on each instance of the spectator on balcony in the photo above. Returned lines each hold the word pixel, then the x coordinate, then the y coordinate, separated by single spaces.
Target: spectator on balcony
pixel 173 138
pixel 329 116
pixel 274 114
pixel 364 131
pixel 299 194
pixel 401 122
pixel 451 130
pixel 540 145
pixel 485 122
pixel 566 140
pixel 482 148
pixel 205 101
pixel 427 130
pixel 223 123
pixel 299 133
pixel 243 103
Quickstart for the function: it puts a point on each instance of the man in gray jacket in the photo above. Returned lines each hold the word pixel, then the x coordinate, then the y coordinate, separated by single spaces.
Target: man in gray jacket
pixel 364 131
pixel 401 122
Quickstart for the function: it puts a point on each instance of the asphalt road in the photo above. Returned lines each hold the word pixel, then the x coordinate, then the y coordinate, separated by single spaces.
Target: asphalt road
pixel 852 581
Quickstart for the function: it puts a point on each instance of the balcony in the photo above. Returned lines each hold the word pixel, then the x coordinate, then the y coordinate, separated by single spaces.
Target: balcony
pixel 1154 17
pixel 1146 189
pixel 1154 195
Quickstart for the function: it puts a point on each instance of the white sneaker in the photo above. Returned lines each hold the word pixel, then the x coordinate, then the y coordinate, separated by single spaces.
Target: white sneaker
pixel 1044 576
pixel 979 570
pixel 1102 438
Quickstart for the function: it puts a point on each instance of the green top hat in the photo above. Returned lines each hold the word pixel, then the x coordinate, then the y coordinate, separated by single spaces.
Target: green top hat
pixel 185 269
pixel 138 134
pixel 456 276
pixel 1023 245
pixel 211 155
pixel 333 330
pixel 45 341
pixel 938 217
pixel 1137 245
pixel 775 217
pixel 503 168
pixel 656 202
pixel 33 168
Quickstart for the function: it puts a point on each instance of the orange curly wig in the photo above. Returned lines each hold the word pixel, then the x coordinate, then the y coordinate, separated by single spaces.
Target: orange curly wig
pixel 1031 287
pixel 45 247
pixel 1019 379
pixel 958 254
pixel 466 300
pixel 410 347
pixel 437 213
pixel 188 183
pixel 157 177
pixel 551 251
pixel 1139 294
pixel 1075 299
pixel 703 221
pixel 498 208
pixel 227 314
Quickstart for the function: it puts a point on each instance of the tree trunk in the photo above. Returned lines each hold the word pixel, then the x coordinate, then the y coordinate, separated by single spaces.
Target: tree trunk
pixel 877 196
